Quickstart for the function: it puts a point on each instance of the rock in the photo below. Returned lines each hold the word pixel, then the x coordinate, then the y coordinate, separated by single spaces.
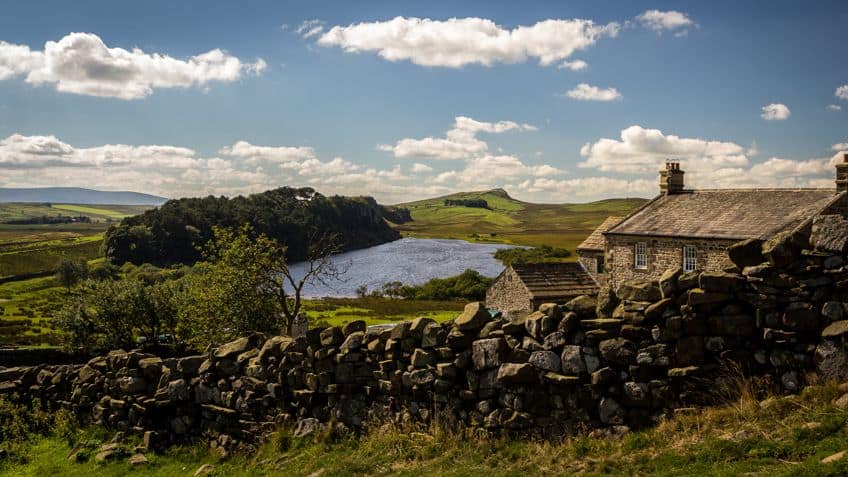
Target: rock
pixel 655 311
pixel 353 342
pixel 421 358
pixel 87 374
pixel 561 380
pixel 355 326
pixel 538 325
pixel 178 390
pixel 236 347
pixel 488 353
pixel 306 427
pixel 782 249
pixel 610 411
pixel 474 317
pixel 697 296
pixel 551 310
pixel 545 360
pixel 746 253
pixel 690 350
pixel 833 311
pixel 190 364
pixel 331 336
pixel 688 280
pixel 273 348
pixel 800 316
pixel 132 385
pixel 639 290
pixel 668 282
pixel 204 469
pixel 583 305
pixel 732 325
pixel 637 394
pixel 831 361
pixel 422 377
pixel 830 234
pixel 514 373
pixel 835 329
pixel 138 460
pixel 571 360
pixel 721 282
pixel 150 367
pixel 607 301
pixel 618 351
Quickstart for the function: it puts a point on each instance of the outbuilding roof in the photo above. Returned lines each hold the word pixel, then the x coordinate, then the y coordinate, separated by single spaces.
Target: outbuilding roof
pixel 726 213
pixel 555 280
pixel 595 241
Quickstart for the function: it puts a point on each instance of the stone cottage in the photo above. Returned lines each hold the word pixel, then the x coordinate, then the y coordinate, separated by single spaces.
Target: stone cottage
pixel 591 252
pixel 692 228
pixel 523 287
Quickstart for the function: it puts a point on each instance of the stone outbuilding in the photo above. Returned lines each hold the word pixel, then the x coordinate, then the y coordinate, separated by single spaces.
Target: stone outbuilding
pixel 590 253
pixel 523 287
pixel 692 228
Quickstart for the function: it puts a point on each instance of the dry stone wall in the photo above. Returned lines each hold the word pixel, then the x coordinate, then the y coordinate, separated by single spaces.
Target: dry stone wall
pixel 624 359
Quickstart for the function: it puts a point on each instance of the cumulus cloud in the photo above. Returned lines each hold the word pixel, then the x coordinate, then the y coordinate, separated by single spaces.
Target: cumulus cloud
pixel 842 146
pixel 586 92
pixel 775 112
pixel 671 20
pixel 310 28
pixel 81 63
pixel 842 92
pixel 834 107
pixel 576 65
pixel 460 142
pixel 419 168
pixel 265 153
pixel 457 42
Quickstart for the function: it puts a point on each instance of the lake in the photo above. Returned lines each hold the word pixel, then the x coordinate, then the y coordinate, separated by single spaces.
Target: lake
pixel 411 261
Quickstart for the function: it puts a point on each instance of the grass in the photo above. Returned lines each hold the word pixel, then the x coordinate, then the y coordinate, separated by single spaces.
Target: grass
pixel 18 211
pixel 42 256
pixel 783 436
pixel 91 211
pixel 338 311
pixel 28 307
pixel 511 221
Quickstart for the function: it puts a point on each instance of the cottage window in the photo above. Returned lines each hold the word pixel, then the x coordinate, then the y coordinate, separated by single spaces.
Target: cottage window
pixel 641 256
pixel 690 258
pixel 599 264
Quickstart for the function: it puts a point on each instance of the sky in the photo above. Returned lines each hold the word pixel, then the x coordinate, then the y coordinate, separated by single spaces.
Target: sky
pixel 553 101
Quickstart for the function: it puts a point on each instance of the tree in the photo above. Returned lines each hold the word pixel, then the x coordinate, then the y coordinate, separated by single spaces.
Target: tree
pixel 70 272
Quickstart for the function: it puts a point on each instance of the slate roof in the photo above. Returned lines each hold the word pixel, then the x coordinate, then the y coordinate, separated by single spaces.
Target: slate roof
pixel 595 241
pixel 555 280
pixel 726 213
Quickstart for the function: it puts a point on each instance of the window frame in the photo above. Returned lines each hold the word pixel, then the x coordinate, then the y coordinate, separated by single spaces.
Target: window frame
pixel 637 263
pixel 600 264
pixel 687 258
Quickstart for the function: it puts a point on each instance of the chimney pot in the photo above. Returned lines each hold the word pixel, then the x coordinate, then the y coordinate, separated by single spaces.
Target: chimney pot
pixel 671 179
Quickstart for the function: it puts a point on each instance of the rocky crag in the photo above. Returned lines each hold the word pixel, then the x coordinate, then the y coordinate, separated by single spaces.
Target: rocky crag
pixel 620 360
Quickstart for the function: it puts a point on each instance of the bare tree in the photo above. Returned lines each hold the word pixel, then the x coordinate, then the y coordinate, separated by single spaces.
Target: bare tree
pixel 320 268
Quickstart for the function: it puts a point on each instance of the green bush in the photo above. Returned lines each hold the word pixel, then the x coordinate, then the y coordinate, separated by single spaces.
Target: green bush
pixel 545 253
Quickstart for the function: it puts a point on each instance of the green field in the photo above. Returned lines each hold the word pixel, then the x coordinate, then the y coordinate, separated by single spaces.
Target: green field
pixel 92 211
pixel 511 221
pixel 97 213
pixel 779 436
pixel 338 311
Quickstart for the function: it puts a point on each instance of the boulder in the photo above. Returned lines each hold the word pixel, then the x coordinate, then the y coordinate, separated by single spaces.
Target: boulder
pixel 618 351
pixel 835 329
pixel 637 394
pixel 782 249
pixel 831 361
pixel 607 300
pixel 150 367
pixel 421 358
pixel 233 348
pixel 190 364
pixel 474 317
pixel 132 385
pixel 515 374
pixel 354 327
pixel 746 253
pixel 610 411
pixel 488 353
pixel 732 325
pixel 571 360
pixel 433 335
pixel 353 341
pixel 668 282
pixel 552 310
pixel 538 325
pixel 331 336
pixel 545 360
pixel 583 305
pixel 721 282
pixel 830 234
pixel 178 390
pixel 639 290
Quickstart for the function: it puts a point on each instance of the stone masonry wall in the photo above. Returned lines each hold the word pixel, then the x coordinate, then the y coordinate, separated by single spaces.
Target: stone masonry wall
pixel 663 253
pixel 626 359
pixel 508 294
pixel 589 260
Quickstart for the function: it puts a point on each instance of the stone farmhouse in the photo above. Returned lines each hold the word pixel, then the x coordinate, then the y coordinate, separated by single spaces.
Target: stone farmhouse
pixel 692 228
pixel 523 287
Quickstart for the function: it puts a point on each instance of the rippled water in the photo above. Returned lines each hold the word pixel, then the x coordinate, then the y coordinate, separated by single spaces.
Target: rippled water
pixel 411 261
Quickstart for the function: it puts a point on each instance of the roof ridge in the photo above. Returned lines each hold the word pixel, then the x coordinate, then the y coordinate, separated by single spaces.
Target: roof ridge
pixel 762 189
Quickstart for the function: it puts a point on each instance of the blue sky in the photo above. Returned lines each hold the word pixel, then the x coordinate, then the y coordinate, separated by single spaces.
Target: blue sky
pixel 363 97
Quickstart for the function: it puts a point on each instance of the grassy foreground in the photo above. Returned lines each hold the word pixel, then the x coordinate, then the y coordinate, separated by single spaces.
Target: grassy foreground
pixel 508 220
pixel 779 436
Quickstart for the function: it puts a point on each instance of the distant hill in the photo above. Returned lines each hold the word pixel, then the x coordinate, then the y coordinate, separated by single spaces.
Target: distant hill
pixel 77 195
pixel 508 220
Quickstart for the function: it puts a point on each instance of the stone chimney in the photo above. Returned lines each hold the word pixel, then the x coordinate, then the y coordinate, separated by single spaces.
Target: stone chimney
pixel 842 174
pixel 671 179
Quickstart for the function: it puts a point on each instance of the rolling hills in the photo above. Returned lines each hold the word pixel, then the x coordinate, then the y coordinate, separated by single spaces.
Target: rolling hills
pixel 77 195
pixel 508 220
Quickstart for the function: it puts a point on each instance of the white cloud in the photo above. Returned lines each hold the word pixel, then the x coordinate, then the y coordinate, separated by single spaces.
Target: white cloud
pixel 310 28
pixel 842 146
pixel 576 65
pixel 419 168
pixel 457 42
pixel 842 92
pixel 586 92
pixel 775 112
pixel 265 153
pixel 834 107
pixel 81 63
pixel 671 20
pixel 460 142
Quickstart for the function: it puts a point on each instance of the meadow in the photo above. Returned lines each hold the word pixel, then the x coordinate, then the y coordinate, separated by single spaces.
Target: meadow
pixel 511 221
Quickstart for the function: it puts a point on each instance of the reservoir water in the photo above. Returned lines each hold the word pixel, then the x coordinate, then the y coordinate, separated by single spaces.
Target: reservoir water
pixel 411 261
